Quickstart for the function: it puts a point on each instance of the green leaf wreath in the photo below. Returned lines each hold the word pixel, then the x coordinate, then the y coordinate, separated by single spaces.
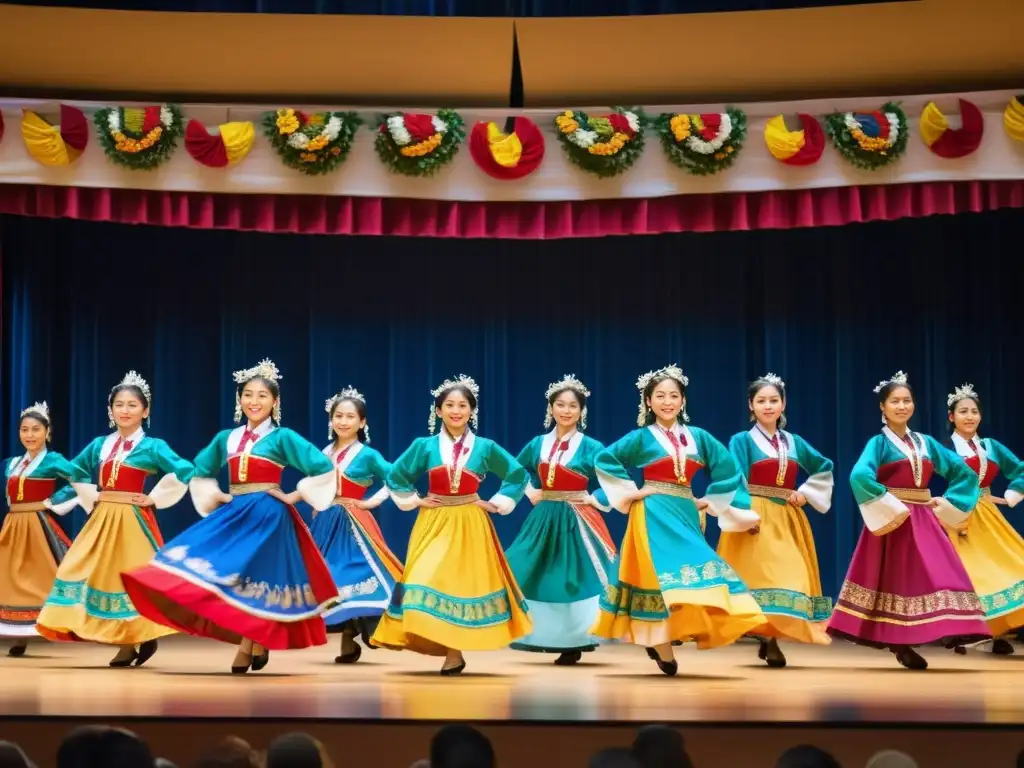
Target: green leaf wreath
pixel 139 138
pixel 604 146
pixel 702 144
pixel 313 144
pixel 869 140
pixel 418 144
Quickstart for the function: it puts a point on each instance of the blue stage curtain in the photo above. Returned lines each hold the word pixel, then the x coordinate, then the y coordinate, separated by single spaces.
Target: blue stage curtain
pixel 534 8
pixel 832 311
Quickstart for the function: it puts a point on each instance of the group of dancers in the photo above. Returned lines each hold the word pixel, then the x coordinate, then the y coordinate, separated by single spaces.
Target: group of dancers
pixel 927 569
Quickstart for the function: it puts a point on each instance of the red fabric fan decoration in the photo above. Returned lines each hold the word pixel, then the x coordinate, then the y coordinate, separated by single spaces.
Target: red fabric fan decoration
pixel 229 145
pixel 507 157
pixel 949 142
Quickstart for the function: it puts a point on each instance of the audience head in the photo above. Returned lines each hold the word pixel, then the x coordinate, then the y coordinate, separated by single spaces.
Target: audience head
pixel 297 750
pixel 890 758
pixel 460 746
pixel 11 756
pixel 659 746
pixel 100 746
pixel 232 752
pixel 806 756
pixel 615 757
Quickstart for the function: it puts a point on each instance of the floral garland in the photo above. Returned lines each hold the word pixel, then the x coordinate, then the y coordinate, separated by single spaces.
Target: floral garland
pixel 314 143
pixel 418 144
pixel 869 140
pixel 703 144
pixel 604 146
pixel 139 138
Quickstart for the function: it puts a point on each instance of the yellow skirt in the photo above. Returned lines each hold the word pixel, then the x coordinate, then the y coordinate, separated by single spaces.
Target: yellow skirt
pixel 780 566
pixel 457 590
pixel 993 556
pixel 88 601
pixel 32 544
pixel 670 585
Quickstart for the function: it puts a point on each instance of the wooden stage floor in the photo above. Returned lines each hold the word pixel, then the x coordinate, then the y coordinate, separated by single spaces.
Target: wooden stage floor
pixel 840 684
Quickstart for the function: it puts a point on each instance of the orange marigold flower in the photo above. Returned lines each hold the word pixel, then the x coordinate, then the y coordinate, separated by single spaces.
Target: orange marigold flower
pixel 423 148
pixel 318 143
pixel 308 157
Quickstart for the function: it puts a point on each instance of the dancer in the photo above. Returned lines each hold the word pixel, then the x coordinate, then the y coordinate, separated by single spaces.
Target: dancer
pixel 563 554
pixel 88 600
pixel 458 593
pixel 364 569
pixel 249 573
pixel 32 543
pixel 990 549
pixel 777 559
pixel 670 585
pixel 905 586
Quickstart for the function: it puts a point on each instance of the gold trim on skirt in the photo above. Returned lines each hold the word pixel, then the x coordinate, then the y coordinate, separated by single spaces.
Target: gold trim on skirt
pixel 122 497
pixel 671 489
pixel 27 506
pixel 577 496
pixel 911 495
pixel 240 489
pixel 454 501
pixel 769 491
pixel 345 501
pixel 982 493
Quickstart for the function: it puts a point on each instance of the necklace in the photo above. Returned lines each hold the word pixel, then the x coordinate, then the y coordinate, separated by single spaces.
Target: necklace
pixel 561 446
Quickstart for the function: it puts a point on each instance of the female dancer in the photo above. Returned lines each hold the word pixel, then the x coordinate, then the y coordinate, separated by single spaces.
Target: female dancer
pixel 777 559
pixel 671 586
pixel 364 569
pixel 563 554
pixel 458 593
pixel 32 543
pixel 88 600
pixel 990 549
pixel 906 586
pixel 248 574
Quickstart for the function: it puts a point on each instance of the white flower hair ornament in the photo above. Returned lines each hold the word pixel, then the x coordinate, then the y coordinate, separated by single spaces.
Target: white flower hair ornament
pixel 669 371
pixel 462 380
pixel 348 393
pixel 569 381
pixel 131 379
pixel 40 409
pixel 898 378
pixel 961 393
pixel 265 369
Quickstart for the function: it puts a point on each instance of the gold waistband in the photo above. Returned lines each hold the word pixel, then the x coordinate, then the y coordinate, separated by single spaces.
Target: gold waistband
pixel 122 497
pixel 346 501
pixel 911 495
pixel 27 506
pixel 241 489
pixel 671 489
pixel 577 496
pixel 769 491
pixel 985 492
pixel 454 501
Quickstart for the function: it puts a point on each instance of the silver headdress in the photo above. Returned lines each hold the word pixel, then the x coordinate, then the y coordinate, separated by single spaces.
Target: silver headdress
pixel 348 393
pixel 671 371
pixel 898 378
pixel 131 379
pixel 40 409
pixel 462 380
pixel 264 370
pixel 961 393
pixel 775 381
pixel 568 381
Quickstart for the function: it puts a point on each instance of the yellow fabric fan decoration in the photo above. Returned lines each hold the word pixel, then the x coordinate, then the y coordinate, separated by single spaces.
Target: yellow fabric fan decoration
pixel 55 145
pixel 1013 118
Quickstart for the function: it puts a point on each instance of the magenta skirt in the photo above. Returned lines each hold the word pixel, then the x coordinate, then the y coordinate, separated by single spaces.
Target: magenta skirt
pixel 908 587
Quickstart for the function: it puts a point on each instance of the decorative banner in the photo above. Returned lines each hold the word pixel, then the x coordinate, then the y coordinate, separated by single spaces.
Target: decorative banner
pixel 507 157
pixel 605 146
pixel 55 145
pixel 802 147
pixel 139 139
pixel 228 146
pixel 419 145
pixel 703 144
pixel 313 144
pixel 947 142
pixel 869 140
pixel 1013 119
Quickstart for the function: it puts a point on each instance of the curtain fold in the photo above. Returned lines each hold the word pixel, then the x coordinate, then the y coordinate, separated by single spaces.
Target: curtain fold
pixel 832 311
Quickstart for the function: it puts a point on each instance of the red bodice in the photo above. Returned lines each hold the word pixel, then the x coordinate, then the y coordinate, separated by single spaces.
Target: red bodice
pixel 899 474
pixel 991 471
pixel 663 471
pixel 348 489
pixel 33 491
pixel 439 484
pixel 129 479
pixel 258 470
pixel 766 472
pixel 565 479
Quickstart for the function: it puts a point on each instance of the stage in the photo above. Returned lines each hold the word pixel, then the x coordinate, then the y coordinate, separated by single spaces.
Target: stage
pixel 825 692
